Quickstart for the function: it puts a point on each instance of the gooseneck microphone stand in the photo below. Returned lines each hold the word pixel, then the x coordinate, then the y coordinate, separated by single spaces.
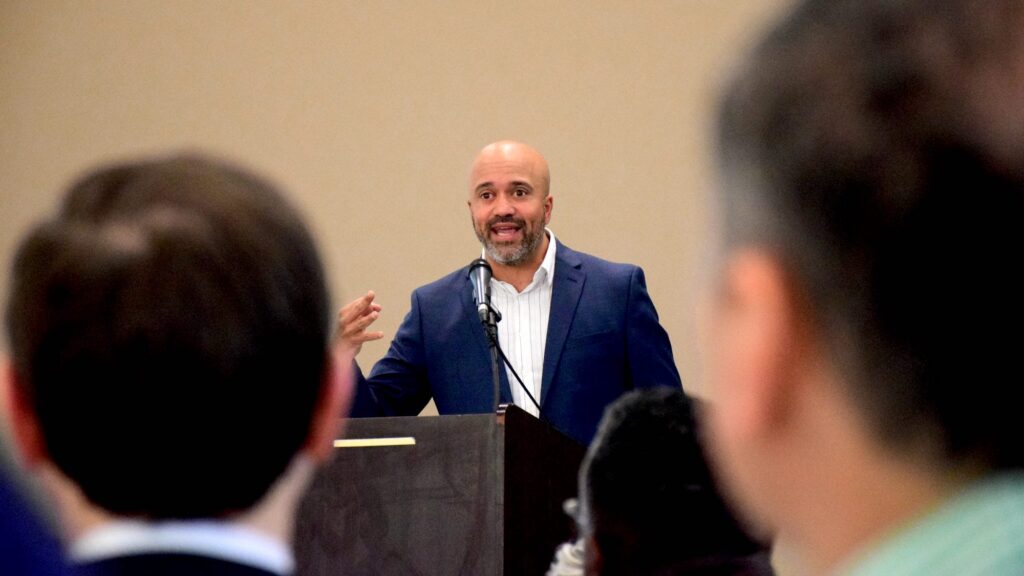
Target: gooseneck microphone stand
pixel 480 275
pixel 490 322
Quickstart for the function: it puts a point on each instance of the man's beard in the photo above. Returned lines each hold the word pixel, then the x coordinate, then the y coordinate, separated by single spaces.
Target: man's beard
pixel 511 254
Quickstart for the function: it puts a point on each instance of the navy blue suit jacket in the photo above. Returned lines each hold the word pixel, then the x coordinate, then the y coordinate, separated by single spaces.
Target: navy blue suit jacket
pixel 603 339
pixel 27 547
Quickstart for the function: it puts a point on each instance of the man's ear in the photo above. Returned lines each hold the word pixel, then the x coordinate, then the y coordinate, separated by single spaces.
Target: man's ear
pixel 24 424
pixel 334 402
pixel 765 316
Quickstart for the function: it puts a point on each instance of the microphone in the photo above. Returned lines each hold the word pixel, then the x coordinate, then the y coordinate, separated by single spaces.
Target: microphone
pixel 480 273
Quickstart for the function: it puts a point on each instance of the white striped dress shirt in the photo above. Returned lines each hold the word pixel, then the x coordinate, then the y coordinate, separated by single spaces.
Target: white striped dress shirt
pixel 523 329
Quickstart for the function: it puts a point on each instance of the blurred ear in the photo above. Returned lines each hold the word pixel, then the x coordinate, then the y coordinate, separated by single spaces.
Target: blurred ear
pixel 762 316
pixel 332 406
pixel 24 425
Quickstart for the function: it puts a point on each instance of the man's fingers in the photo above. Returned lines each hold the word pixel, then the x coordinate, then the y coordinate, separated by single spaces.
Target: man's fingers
pixel 359 305
pixel 360 324
pixel 357 339
pixel 368 336
pixel 373 310
pixel 353 320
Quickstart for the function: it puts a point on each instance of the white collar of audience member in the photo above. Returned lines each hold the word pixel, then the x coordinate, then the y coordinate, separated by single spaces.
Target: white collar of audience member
pixel 232 542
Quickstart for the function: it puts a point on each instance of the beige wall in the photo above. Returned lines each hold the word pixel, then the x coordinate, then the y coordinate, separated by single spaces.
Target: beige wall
pixel 370 112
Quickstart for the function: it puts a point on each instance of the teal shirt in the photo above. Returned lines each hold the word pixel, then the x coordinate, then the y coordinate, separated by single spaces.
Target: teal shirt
pixel 978 532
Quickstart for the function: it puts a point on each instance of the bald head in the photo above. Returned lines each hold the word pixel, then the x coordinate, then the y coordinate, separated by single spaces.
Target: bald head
pixel 510 205
pixel 507 156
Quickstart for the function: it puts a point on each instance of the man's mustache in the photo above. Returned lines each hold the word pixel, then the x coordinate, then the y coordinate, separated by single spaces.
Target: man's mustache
pixel 506 220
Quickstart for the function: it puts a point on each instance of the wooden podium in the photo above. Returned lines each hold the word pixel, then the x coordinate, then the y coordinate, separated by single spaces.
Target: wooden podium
pixel 477 494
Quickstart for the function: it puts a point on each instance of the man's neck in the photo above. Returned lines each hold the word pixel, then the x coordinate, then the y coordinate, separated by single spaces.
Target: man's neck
pixel 273 516
pixel 520 275
pixel 872 504
pixel 884 506
pixel 834 490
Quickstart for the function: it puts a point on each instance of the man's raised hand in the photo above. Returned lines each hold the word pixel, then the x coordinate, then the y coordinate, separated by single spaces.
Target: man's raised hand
pixel 353 320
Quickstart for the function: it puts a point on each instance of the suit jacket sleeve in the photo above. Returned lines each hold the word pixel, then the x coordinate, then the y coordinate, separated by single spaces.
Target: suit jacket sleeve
pixel 398 384
pixel 648 351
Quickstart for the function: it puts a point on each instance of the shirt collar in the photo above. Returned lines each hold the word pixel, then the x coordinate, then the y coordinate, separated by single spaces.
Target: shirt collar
pixel 228 541
pixel 981 526
pixel 547 265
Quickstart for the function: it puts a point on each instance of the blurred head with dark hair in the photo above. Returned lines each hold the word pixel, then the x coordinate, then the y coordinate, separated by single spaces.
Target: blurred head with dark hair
pixel 648 502
pixel 169 332
pixel 872 163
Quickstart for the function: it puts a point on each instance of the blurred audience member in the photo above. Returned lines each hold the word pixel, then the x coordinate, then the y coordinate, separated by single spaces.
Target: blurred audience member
pixel 169 334
pixel 648 502
pixel 864 343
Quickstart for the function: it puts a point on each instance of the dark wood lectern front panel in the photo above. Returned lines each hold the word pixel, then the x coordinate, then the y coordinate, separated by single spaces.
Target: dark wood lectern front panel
pixel 472 496
pixel 429 508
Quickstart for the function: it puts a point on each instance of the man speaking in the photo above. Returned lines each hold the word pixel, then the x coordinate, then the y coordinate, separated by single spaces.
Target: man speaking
pixel 577 330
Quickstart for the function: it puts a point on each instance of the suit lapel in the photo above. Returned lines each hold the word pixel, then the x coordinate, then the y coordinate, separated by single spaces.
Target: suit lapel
pixel 565 295
pixel 480 337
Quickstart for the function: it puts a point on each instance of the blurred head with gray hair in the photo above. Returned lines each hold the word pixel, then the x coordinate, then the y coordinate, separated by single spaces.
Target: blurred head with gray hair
pixel 871 156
